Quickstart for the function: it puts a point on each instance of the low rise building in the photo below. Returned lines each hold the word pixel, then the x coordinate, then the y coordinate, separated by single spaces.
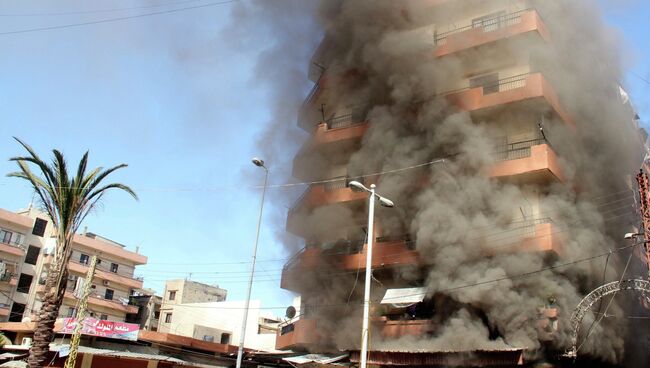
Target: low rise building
pixel 221 322
pixel 183 292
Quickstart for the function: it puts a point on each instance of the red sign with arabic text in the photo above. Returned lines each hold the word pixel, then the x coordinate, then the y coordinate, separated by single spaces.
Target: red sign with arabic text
pixel 102 328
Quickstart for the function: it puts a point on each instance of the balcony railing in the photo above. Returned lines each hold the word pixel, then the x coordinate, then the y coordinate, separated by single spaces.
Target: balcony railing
pixel 342 121
pixel 488 25
pixel 516 232
pixel 502 85
pixel 517 150
pixel 329 185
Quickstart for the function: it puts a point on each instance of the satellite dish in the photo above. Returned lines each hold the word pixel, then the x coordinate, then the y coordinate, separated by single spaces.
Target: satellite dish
pixel 291 312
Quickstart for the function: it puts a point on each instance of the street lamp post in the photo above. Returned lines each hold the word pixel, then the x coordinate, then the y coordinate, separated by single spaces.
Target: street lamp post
pixel 371 237
pixel 240 352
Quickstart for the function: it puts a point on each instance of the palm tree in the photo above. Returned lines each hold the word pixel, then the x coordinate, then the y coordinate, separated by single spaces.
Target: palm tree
pixel 67 200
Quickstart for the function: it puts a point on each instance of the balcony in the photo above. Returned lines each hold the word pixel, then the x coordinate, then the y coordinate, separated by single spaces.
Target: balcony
pixel 530 88
pixel 537 235
pixel 333 192
pixel 386 252
pixel 16 219
pixel 531 161
pixel 9 278
pixel 107 248
pixel 332 138
pixel 390 329
pixel 489 30
pixel 98 301
pixel 13 248
pixel 297 335
pixel 129 282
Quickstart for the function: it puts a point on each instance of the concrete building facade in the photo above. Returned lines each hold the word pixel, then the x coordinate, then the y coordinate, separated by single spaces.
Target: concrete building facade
pixel 183 292
pixel 486 97
pixel 220 322
pixel 28 255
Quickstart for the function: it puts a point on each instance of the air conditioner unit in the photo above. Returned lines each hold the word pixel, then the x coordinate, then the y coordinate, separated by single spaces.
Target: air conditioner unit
pixel 27 341
pixel 105 283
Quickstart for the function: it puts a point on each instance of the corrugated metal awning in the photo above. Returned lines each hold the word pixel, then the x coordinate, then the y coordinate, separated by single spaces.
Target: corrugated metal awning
pixel 404 297
pixel 315 358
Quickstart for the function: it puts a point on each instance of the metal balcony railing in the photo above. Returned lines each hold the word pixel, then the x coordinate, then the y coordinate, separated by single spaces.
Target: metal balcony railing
pixel 516 232
pixel 502 85
pixel 517 150
pixel 487 25
pixel 342 121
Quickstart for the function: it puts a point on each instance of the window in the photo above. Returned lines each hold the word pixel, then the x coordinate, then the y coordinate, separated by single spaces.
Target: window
pixel 489 82
pixel 114 267
pixel 84 258
pixel 32 255
pixel 93 287
pixel 225 338
pixel 39 227
pixel 17 310
pixel 71 312
pixel 24 283
pixel 104 317
pixel 172 295
pixel 208 338
pixel 156 315
pixel 6 236
pixel 109 294
pixel 18 239
pixel 168 318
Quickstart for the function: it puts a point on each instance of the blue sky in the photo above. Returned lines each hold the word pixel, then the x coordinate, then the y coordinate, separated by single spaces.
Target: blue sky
pixel 178 102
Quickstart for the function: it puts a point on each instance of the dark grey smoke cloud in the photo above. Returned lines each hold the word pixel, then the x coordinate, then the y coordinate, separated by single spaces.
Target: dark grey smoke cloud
pixel 468 227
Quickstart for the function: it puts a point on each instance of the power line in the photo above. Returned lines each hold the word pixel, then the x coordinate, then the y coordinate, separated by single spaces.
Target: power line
pixel 97 10
pixel 116 19
pixel 455 288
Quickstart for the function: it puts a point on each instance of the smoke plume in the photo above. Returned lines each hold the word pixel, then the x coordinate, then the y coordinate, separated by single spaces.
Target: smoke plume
pixel 467 226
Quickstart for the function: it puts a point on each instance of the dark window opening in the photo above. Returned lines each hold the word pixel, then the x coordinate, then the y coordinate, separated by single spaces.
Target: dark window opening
pixel 84 258
pixel 156 315
pixel 114 267
pixel 109 294
pixel 32 255
pixel 104 317
pixel 39 227
pixel 6 236
pixel 17 311
pixel 489 82
pixel 24 283
pixel 168 318
pixel 172 295
pixel 225 338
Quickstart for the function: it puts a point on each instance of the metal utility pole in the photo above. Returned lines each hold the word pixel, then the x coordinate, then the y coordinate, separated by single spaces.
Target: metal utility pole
pixel 81 314
pixel 644 198
pixel 240 352
pixel 371 237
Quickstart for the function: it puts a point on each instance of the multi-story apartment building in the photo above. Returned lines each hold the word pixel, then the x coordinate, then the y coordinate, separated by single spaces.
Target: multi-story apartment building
pixel 27 236
pixel 496 91
pixel 186 291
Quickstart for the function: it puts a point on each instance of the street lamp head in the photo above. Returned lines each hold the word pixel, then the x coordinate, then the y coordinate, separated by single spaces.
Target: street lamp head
pixel 631 235
pixel 386 202
pixel 358 186
pixel 258 162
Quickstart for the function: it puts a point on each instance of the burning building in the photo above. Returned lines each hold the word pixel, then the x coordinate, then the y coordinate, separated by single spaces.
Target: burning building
pixel 500 130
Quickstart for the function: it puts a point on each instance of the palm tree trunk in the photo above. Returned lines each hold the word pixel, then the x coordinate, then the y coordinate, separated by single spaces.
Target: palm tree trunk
pixel 47 315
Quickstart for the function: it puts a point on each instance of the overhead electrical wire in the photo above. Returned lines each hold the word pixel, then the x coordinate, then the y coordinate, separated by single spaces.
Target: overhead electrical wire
pixel 115 19
pixel 97 11
pixel 454 288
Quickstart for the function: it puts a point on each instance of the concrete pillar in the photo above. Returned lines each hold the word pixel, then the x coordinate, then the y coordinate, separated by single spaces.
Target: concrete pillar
pixel 87 360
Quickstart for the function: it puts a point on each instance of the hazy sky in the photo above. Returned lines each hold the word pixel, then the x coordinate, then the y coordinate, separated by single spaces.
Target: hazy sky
pixel 179 102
